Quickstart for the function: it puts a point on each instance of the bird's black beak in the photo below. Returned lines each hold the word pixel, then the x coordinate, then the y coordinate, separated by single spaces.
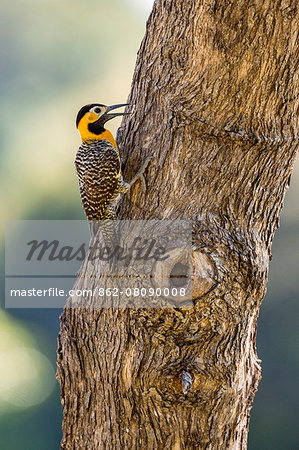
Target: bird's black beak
pixel 105 117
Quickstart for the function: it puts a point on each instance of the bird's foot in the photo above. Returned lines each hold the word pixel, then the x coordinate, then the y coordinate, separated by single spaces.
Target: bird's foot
pixel 140 174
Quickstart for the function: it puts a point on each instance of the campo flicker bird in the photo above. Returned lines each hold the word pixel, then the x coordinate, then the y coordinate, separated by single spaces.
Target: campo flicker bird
pixel 98 164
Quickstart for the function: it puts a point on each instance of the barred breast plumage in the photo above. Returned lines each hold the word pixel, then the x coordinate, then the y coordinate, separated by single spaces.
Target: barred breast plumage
pixel 98 169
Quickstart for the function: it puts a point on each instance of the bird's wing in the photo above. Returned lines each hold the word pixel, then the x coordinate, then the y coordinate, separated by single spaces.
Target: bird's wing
pixel 98 168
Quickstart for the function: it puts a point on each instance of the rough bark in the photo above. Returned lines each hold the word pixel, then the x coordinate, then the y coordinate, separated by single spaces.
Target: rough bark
pixel 215 100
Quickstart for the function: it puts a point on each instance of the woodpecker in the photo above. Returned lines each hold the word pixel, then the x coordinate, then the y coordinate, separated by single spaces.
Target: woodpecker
pixel 97 162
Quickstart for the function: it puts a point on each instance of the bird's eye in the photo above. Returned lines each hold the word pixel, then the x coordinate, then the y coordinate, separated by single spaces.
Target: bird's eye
pixel 97 110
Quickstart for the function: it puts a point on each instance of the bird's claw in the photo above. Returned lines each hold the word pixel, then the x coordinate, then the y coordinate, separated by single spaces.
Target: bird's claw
pixel 146 162
pixel 141 172
pixel 141 176
pixel 142 179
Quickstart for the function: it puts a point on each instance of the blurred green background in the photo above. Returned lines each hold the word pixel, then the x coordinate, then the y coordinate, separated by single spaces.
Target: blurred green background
pixel 55 57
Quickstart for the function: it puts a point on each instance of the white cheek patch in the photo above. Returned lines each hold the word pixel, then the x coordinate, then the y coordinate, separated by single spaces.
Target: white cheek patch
pixel 99 114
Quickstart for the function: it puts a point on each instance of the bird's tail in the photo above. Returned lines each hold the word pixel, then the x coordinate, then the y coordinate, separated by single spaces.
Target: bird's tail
pixel 108 230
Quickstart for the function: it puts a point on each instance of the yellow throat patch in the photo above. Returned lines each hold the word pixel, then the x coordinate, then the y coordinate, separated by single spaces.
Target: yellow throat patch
pixel 87 135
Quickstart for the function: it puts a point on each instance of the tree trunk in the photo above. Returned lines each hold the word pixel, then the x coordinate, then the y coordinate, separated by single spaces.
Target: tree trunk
pixel 215 101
